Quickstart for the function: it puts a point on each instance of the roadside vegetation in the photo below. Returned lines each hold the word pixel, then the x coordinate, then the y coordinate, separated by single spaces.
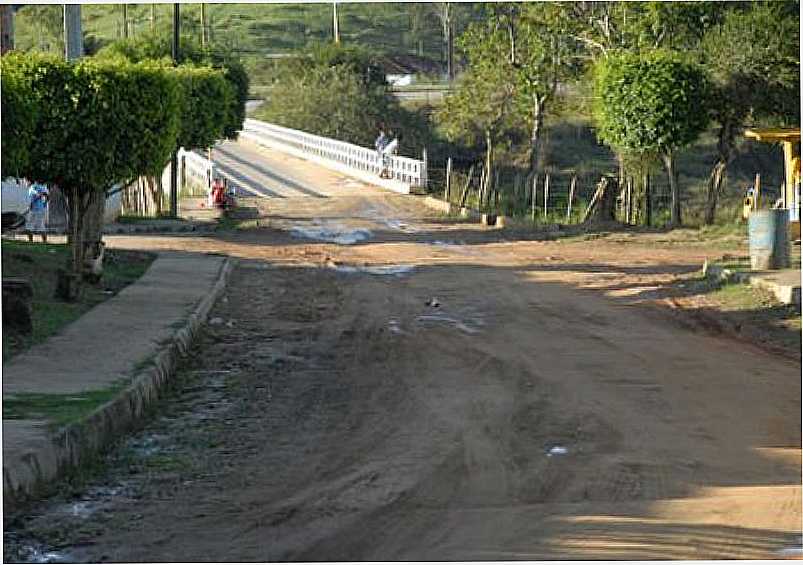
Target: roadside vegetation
pixel 58 410
pixel 730 65
pixel 751 313
pixel 55 103
pixel 38 263
pixel 255 31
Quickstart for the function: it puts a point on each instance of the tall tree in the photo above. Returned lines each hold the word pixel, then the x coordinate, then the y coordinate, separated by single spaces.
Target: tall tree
pixel 753 60
pixel 531 45
pixel 481 110
pixel 655 103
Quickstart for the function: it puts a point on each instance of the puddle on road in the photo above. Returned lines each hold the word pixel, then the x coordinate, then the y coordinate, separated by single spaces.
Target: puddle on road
pixel 454 247
pixel 557 450
pixel 442 319
pixel 332 233
pixel 398 225
pixel 394 326
pixel 145 447
pixel 793 552
pixel 19 551
pixel 378 270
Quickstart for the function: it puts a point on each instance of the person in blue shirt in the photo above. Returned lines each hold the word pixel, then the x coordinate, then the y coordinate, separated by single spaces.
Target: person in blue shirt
pixel 37 211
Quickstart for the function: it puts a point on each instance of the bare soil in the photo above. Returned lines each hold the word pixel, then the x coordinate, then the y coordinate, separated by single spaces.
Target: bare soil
pixel 439 391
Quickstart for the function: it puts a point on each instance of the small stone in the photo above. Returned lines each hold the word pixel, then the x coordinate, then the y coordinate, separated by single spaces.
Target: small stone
pixel 215 321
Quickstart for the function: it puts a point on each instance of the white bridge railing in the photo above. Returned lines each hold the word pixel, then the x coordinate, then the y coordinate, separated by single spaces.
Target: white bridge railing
pixel 401 174
pixel 196 169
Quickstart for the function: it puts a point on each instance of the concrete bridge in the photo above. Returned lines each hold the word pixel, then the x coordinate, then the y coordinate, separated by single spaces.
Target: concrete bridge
pixel 242 163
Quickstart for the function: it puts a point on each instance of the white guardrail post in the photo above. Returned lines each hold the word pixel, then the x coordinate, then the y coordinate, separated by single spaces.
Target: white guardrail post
pixel 405 174
pixel 197 168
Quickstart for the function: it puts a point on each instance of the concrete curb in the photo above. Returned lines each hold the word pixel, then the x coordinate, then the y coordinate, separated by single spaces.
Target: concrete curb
pixel 118 230
pixel 784 293
pixel 450 208
pixel 78 442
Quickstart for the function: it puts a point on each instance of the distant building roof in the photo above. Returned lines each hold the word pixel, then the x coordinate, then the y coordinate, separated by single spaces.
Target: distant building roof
pixel 410 65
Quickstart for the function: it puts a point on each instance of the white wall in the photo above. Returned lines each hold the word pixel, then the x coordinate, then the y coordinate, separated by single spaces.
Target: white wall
pixel 14 198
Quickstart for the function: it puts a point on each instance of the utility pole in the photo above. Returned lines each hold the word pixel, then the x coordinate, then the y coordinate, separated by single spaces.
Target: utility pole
pixel 204 38
pixel 448 32
pixel 73 41
pixel 125 20
pixel 174 159
pixel 153 17
pixel 6 28
pixel 335 23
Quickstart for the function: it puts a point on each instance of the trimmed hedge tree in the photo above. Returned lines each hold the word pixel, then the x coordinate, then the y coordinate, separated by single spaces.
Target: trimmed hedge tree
pixel 651 104
pixel 18 121
pixel 98 124
pixel 206 105
pixel 150 46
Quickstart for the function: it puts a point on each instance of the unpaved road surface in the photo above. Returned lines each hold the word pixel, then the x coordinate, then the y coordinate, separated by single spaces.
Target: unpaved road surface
pixel 382 384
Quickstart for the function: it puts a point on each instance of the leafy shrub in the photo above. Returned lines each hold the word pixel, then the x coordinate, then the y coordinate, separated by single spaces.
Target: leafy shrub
pixel 654 102
pixel 18 117
pixel 207 100
pixel 159 46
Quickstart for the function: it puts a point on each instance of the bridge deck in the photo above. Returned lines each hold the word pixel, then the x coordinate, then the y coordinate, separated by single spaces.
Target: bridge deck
pixel 266 173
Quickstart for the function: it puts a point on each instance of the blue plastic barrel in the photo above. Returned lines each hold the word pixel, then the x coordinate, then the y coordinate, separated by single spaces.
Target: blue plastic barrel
pixel 768 234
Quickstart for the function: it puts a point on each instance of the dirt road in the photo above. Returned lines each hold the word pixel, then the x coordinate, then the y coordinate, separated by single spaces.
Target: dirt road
pixel 379 383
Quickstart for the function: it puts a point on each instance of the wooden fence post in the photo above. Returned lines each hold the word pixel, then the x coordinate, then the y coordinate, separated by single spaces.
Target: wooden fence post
pixel 647 201
pixel 758 191
pixel 629 211
pixel 495 192
pixel 481 187
pixel 447 191
pixel 571 197
pixel 467 187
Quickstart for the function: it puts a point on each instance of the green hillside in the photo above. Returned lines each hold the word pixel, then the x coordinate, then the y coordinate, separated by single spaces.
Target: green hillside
pixel 256 30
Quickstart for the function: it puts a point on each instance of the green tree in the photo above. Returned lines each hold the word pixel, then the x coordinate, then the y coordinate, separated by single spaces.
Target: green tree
pixel 98 124
pixel 753 61
pixel 156 46
pixel 301 97
pixel 18 121
pixel 653 103
pixel 328 101
pixel 40 28
pixel 481 110
pixel 206 102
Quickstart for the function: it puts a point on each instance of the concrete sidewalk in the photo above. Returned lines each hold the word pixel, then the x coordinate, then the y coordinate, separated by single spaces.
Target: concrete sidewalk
pixel 130 342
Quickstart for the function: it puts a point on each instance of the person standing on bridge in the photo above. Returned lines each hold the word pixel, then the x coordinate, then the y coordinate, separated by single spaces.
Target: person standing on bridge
pixel 381 141
pixel 379 144
pixel 37 211
pixel 388 151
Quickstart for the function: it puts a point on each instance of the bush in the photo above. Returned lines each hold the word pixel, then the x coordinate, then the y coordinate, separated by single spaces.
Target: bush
pixel 207 100
pixel 18 117
pixel 341 93
pixel 649 103
pixel 159 46
pixel 330 102
pixel 98 123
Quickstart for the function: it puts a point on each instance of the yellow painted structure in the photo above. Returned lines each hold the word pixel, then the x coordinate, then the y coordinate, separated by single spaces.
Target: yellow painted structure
pixel 789 138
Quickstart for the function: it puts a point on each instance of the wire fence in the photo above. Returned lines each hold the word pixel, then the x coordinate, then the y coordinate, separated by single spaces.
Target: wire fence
pixel 552 197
